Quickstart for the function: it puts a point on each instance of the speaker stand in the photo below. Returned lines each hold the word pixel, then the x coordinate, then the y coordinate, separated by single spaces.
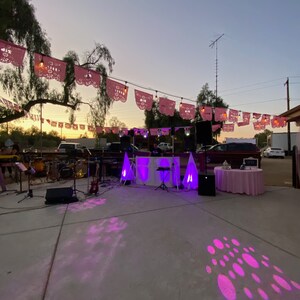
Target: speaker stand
pixel 29 190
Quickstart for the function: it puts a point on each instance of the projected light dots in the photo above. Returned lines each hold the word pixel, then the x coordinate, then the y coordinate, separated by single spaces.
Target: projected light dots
pixel 232 263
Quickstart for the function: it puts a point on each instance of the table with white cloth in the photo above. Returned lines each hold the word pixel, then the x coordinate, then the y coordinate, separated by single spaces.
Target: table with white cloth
pixel 147 173
pixel 249 181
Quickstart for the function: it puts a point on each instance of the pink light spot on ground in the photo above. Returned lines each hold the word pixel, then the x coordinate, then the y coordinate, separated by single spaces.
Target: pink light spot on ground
pixel 238 269
pixel 248 293
pixel 295 284
pixel 211 250
pixel 225 238
pixel 226 287
pixel 283 283
pixel 240 261
pixel 246 250
pixel 276 288
pixel 265 263
pixel 250 260
pixel 251 249
pixel 218 244
pixel 255 278
pixel 227 245
pixel 222 263
pixel 236 250
pixel 231 254
pixel 235 242
pixel 263 294
pixel 226 257
pixel 277 269
pixel 265 257
pixel 208 269
pixel 231 274
pixel 214 262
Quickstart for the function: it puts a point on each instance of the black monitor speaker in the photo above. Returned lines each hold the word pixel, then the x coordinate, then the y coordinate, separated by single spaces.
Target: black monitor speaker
pixel 125 142
pixel 204 132
pixel 60 195
pixel 206 185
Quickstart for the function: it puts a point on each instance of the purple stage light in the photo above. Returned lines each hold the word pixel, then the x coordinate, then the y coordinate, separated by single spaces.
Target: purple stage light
pixel 265 263
pixel 250 260
pixel 127 173
pixel 276 288
pixel 248 293
pixel 226 287
pixel 218 244
pixel 282 282
pixel 190 180
pixel 295 284
pixel 232 285
pixel 238 269
pixel 231 274
pixel 235 242
pixel 263 294
pixel 277 269
pixel 208 269
pixel 256 278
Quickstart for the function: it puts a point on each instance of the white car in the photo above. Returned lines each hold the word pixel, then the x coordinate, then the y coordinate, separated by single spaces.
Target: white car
pixel 274 152
pixel 165 146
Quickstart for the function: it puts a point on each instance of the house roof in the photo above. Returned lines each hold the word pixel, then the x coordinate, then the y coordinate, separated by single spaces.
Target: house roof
pixel 292 114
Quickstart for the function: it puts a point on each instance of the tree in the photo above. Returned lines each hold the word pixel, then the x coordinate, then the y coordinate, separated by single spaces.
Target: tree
pixel 207 97
pixel 19 25
pixel 262 138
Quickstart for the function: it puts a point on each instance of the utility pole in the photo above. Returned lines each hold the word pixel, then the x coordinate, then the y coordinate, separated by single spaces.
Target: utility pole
pixel 212 44
pixel 288 108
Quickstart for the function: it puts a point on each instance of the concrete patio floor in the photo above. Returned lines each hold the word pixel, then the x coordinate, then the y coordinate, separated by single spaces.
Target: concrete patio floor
pixel 135 242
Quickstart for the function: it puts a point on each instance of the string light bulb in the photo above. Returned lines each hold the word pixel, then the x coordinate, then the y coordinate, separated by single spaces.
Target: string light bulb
pixel 41 63
pixel 125 87
pixel 155 95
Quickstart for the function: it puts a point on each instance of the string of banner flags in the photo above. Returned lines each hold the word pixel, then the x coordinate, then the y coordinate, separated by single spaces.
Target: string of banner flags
pixel 52 68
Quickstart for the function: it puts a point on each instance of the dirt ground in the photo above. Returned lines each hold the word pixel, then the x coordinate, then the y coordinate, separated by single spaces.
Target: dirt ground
pixel 277 172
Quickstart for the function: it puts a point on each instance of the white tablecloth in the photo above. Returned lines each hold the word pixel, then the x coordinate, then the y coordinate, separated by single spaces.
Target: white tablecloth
pixel 146 170
pixel 250 182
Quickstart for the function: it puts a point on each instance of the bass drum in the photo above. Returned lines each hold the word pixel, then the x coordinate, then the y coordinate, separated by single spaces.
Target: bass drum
pixel 65 173
pixel 39 167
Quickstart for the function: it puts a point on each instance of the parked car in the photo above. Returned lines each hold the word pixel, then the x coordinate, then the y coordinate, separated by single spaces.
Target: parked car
pixel 117 147
pixel 233 153
pixel 164 146
pixel 68 147
pixel 274 152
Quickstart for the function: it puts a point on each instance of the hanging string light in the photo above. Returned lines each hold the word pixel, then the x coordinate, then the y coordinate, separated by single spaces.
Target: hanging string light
pixel 125 87
pixel 187 131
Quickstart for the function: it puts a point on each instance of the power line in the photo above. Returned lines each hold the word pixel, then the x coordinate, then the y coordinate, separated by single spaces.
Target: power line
pixel 254 84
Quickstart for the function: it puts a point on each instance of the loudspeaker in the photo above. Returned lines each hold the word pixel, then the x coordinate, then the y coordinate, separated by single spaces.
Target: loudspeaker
pixel 206 185
pixel 125 142
pixel 131 132
pixel 60 195
pixel 189 143
pixel 204 132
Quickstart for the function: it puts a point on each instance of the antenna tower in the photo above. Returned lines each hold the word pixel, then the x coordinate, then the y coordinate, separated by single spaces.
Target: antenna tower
pixel 212 44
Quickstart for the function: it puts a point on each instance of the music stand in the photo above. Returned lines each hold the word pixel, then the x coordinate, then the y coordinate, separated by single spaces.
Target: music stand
pixel 163 170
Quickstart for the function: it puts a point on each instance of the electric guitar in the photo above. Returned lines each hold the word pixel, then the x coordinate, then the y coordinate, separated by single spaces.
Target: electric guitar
pixel 95 183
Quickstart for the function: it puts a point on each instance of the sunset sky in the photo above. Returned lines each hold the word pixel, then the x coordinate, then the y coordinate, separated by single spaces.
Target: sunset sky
pixel 164 45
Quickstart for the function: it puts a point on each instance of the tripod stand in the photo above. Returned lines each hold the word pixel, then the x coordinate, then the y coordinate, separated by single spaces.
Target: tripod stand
pixel 75 190
pixel 30 171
